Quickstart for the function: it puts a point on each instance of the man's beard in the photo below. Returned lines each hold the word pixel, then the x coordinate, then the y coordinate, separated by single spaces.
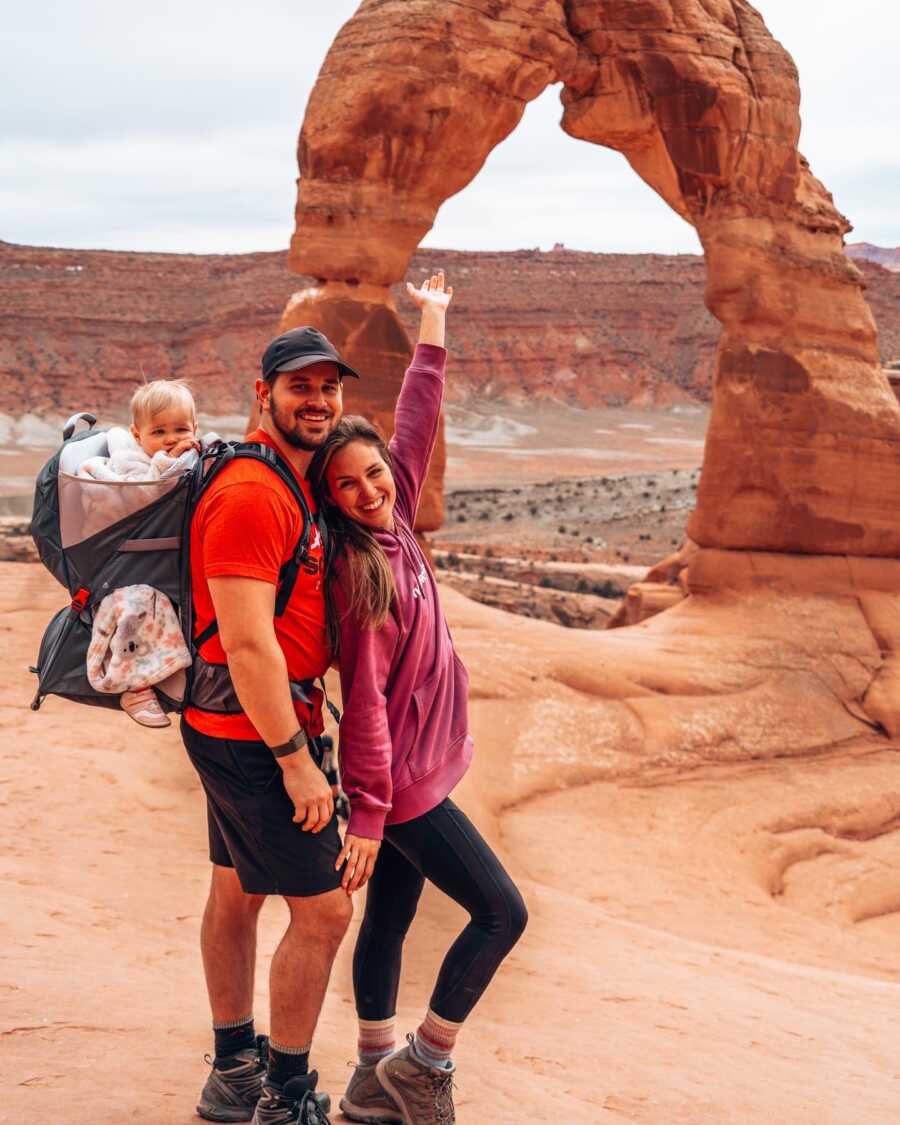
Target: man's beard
pixel 289 431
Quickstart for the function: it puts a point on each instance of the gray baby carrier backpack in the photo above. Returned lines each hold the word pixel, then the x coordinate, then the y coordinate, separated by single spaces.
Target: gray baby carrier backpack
pixel 95 536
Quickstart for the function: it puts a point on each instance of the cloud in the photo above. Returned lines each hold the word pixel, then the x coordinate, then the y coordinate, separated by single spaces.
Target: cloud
pixel 231 190
pixel 95 69
pixel 172 126
pixel 164 126
pixel 850 103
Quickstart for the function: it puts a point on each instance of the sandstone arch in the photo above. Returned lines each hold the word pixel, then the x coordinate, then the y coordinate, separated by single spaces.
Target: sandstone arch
pixel 704 103
pixel 803 451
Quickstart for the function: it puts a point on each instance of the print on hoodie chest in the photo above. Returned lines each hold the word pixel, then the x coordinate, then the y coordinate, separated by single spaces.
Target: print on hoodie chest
pixel 420 582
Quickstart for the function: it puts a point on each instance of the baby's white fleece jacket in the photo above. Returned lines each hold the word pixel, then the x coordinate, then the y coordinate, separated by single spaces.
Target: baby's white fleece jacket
pixel 127 461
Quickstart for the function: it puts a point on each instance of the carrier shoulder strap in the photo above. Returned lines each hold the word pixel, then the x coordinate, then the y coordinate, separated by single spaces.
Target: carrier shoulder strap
pixel 300 556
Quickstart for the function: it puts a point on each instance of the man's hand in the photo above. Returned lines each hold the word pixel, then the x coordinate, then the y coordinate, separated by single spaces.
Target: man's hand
pixel 359 855
pixel 308 788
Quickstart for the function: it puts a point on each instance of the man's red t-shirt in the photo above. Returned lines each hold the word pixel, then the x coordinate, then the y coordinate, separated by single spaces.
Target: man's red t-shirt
pixel 247 525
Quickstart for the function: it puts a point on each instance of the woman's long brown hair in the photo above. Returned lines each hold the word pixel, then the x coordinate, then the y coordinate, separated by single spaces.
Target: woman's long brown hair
pixel 369 573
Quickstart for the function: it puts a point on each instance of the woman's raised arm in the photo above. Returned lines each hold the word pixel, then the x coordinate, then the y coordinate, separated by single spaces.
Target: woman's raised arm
pixel 419 404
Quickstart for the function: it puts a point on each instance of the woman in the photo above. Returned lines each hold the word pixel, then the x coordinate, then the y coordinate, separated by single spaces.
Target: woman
pixel 404 746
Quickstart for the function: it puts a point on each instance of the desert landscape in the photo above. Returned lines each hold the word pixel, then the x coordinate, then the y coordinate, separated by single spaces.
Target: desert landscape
pixel 713 935
pixel 663 515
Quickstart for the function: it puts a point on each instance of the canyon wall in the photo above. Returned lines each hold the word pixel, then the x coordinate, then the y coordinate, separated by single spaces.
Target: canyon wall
pixel 78 328
pixel 887 256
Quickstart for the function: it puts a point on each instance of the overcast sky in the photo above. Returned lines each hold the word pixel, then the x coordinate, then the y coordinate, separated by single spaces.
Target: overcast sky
pixel 172 126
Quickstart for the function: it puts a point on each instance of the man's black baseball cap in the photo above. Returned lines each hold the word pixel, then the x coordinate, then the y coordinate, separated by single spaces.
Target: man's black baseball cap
pixel 300 347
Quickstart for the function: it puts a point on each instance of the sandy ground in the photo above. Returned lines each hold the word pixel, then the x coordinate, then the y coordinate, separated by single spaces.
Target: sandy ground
pixel 714 946
pixel 511 445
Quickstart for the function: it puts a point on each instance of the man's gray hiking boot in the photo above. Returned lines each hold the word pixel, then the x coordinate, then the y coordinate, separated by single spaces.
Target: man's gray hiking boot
pixel 422 1093
pixel 365 1099
pixel 231 1095
pixel 294 1103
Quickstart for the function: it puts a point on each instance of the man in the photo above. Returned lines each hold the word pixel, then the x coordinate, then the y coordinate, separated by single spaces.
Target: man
pixel 271 828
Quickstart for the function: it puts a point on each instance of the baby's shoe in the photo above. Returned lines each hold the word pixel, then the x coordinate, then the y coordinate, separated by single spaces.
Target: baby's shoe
pixel 144 708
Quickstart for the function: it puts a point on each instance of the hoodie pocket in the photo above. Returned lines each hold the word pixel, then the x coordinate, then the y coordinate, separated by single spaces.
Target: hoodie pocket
pixel 435 718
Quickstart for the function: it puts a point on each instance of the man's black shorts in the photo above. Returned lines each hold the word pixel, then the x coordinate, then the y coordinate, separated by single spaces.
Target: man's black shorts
pixel 250 820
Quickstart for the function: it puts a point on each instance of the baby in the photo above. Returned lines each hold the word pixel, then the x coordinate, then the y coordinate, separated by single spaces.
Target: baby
pixel 137 640
pixel 163 429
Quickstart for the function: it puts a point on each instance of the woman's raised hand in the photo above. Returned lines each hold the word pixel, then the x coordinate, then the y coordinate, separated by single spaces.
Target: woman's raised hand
pixel 432 299
pixel 431 293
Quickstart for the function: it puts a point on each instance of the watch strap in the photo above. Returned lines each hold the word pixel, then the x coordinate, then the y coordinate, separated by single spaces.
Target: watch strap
pixel 294 743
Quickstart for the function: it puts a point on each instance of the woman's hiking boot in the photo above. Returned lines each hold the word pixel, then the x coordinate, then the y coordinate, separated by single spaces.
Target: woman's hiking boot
pixel 365 1099
pixel 422 1093
pixel 294 1103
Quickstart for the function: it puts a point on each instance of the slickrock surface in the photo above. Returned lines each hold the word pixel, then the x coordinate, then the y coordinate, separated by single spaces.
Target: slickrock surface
pixel 713 929
pixel 704 104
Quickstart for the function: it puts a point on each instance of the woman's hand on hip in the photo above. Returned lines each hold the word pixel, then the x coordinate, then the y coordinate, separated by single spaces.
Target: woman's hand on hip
pixel 358 855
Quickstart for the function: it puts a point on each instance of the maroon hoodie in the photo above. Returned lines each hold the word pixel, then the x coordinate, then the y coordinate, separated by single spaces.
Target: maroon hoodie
pixel 404 733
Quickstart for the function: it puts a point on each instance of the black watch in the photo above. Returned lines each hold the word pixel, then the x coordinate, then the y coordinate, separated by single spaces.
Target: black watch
pixel 293 744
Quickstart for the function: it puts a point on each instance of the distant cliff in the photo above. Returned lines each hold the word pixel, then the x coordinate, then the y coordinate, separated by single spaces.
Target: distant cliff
pixel 78 328
pixel 884 255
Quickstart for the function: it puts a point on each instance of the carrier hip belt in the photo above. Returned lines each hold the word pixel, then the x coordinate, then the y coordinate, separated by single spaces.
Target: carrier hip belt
pixel 212 689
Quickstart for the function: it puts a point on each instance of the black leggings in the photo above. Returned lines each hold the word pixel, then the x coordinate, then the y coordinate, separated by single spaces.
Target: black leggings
pixel 445 847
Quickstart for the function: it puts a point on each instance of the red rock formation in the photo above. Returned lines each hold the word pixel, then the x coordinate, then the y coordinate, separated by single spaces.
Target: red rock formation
pixel 704 104
pixel 410 100
pixel 384 143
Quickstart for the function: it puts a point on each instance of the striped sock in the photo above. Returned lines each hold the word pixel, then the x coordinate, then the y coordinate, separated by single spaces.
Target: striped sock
pixel 376 1040
pixel 435 1039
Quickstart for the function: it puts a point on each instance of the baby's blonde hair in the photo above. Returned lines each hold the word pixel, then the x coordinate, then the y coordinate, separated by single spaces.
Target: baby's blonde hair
pixel 152 398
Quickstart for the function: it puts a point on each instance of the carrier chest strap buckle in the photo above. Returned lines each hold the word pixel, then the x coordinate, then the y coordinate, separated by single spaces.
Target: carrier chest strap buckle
pixel 81 599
